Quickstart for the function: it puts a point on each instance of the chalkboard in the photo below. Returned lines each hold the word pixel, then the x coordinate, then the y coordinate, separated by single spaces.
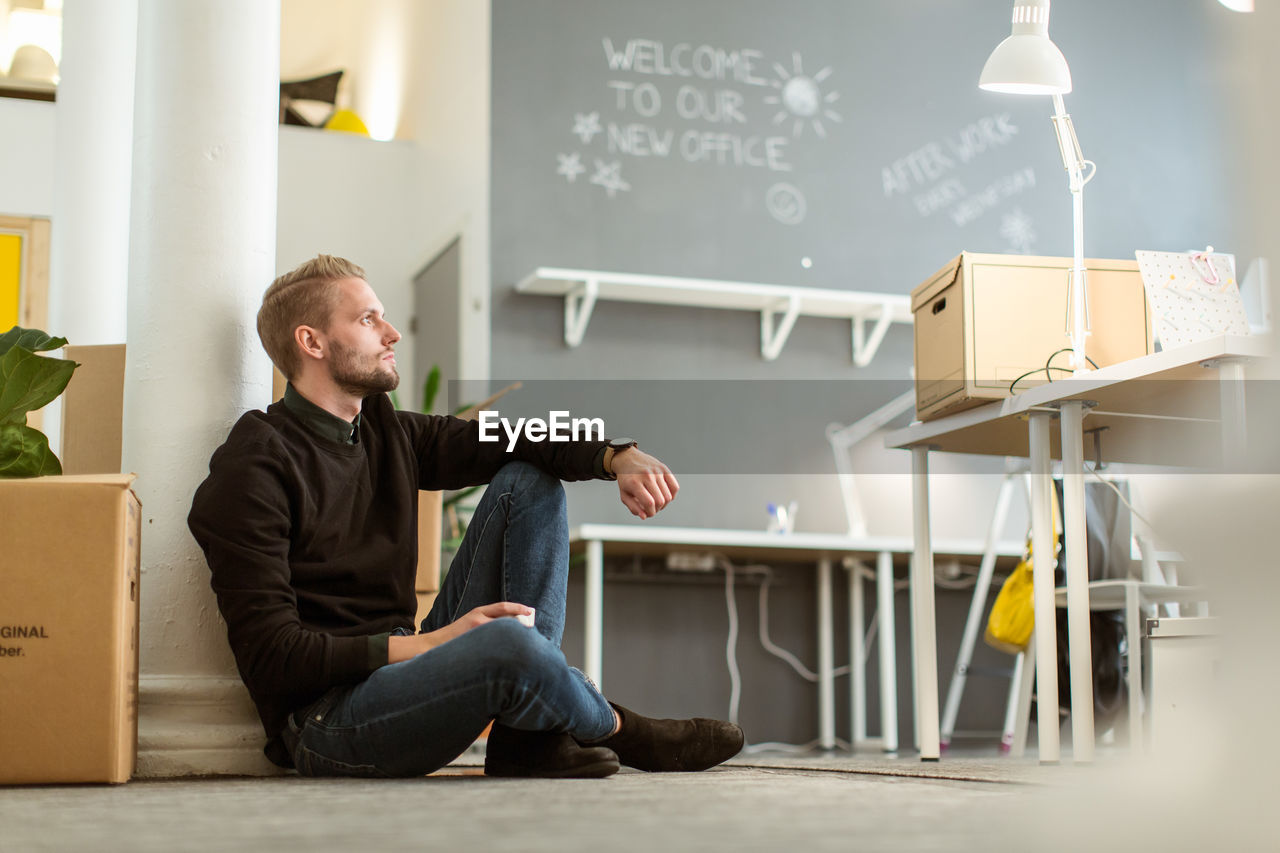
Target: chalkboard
pixel 833 143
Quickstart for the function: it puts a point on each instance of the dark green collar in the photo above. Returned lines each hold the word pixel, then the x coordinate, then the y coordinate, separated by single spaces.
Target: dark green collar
pixel 322 423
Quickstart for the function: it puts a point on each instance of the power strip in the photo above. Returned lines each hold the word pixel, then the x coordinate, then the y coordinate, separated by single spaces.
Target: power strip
pixel 689 561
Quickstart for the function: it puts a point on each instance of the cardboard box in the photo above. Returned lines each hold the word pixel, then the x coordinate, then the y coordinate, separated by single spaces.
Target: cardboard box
pixel 983 321
pixel 430 528
pixel 92 410
pixel 425 601
pixel 69 578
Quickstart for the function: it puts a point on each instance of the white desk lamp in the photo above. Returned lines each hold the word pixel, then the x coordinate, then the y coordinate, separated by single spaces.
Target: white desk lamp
pixel 1028 63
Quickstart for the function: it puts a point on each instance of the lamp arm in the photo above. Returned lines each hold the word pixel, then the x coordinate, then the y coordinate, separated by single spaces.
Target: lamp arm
pixel 1078 325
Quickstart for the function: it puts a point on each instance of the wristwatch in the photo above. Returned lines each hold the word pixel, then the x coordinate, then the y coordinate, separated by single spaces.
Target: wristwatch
pixel 612 449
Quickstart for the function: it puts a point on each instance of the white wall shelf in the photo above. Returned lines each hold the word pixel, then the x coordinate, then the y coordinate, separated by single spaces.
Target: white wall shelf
pixel 779 306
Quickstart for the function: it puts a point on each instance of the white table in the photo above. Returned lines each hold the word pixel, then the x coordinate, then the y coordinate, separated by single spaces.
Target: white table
pixel 1147 411
pixel 821 548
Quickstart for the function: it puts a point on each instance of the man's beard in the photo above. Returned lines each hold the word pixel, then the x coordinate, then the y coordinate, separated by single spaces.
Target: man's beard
pixel 361 380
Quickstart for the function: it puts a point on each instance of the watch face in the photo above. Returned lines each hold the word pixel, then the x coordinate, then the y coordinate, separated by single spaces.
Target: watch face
pixel 622 443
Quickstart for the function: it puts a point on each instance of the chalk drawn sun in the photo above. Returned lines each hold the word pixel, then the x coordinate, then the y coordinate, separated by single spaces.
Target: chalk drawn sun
pixel 801 98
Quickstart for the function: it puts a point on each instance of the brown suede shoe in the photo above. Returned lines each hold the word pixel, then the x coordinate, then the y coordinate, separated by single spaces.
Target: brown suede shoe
pixel 673 745
pixel 544 755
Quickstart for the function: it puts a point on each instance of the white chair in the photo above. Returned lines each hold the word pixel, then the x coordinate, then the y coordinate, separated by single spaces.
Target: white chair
pixel 1138 597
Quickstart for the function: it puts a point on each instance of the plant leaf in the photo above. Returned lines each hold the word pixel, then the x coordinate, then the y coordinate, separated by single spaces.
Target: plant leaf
pixel 430 388
pixel 32 340
pixel 29 381
pixel 24 452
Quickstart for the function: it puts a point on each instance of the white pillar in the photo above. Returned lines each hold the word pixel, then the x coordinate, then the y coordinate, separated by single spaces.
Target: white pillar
pixel 202 251
pixel 93 152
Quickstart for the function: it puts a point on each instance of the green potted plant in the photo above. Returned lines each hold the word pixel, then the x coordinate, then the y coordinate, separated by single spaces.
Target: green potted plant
pixel 28 382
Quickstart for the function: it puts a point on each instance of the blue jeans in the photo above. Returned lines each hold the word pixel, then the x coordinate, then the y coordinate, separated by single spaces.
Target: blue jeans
pixel 413 717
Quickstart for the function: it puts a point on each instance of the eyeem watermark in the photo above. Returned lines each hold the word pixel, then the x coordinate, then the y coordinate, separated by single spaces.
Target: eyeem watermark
pixel 557 427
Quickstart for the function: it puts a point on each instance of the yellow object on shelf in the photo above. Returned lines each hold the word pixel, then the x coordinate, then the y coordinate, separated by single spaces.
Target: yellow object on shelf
pixel 347 122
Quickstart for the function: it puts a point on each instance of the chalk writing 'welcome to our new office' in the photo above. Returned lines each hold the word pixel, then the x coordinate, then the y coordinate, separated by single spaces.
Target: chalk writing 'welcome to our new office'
pixel 691 103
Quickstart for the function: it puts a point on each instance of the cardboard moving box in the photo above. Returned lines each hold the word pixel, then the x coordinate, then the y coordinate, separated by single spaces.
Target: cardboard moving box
pixel 983 321
pixel 69 578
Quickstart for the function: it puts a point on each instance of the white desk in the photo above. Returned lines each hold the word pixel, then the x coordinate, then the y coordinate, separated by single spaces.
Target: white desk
pixel 1150 411
pixel 597 539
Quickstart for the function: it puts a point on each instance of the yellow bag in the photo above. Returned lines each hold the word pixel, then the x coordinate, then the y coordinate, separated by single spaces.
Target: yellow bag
pixel 1013 616
pixel 1014 613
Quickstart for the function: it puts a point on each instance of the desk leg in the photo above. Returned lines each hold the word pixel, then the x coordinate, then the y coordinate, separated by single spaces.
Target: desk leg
pixel 1045 637
pixel 826 657
pixel 594 629
pixel 1133 633
pixel 1231 397
pixel 888 639
pixel 1077 582
pixel 857 659
pixel 923 625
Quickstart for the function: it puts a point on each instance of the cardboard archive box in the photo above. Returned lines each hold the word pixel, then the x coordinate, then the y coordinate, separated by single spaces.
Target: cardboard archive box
pixel 430 528
pixel 69 577
pixel 983 321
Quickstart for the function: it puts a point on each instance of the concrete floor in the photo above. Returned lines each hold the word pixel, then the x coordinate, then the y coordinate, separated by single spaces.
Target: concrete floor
pixel 734 808
pixel 756 803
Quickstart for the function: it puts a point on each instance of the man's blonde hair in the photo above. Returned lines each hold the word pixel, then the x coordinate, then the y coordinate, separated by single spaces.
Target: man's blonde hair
pixel 305 296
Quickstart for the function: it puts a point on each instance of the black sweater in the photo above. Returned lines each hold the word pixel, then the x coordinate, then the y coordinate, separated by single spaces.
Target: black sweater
pixel 312 543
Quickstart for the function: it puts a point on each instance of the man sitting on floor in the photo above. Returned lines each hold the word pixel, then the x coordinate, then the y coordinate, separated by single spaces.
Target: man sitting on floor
pixel 308 520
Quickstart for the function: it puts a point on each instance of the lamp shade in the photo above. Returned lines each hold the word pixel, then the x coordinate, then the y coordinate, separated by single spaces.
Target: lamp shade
pixel 1027 62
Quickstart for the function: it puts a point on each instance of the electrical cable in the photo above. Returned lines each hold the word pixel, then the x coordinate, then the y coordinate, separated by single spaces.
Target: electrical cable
pixel 774 746
pixel 731 644
pixel 1047 366
pixel 779 652
pixel 1122 498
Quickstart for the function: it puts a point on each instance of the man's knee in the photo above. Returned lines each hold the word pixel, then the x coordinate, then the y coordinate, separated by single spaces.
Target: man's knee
pixel 526 480
pixel 515 650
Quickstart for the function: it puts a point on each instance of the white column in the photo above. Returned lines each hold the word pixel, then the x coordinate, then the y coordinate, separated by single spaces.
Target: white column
pixel 202 250
pixel 93 152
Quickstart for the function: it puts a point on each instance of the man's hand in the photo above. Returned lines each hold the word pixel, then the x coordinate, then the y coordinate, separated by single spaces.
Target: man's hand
pixel 644 483
pixel 403 648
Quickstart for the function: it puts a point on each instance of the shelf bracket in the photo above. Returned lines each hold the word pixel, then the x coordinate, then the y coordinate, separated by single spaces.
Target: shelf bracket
pixel 864 346
pixel 578 305
pixel 772 338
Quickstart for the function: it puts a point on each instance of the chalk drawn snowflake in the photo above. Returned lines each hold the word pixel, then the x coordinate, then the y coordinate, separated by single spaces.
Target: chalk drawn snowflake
pixel 1019 230
pixel 609 176
pixel 586 126
pixel 570 166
